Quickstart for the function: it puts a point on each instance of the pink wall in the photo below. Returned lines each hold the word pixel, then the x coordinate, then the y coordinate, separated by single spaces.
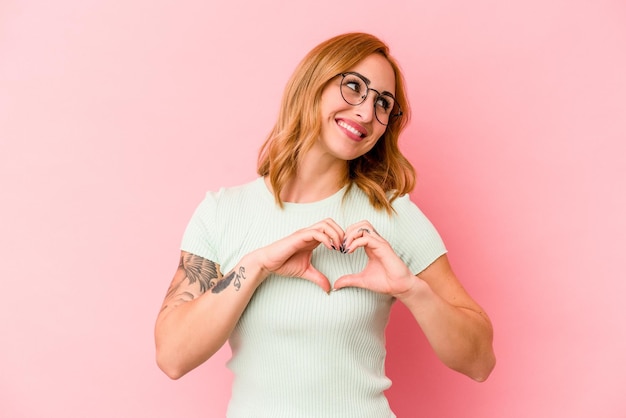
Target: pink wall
pixel 115 117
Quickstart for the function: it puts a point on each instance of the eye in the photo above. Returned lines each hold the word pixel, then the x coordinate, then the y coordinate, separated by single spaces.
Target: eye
pixel 384 103
pixel 354 83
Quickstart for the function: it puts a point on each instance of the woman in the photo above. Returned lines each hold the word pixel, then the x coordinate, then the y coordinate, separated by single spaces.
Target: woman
pixel 316 250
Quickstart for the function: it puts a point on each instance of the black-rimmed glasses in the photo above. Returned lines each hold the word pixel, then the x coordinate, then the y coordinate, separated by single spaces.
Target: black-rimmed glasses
pixel 354 90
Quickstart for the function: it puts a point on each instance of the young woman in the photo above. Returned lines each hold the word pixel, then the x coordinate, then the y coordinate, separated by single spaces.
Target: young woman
pixel 298 269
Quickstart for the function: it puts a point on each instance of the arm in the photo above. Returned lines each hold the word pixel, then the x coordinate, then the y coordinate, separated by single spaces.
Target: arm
pixel 457 328
pixel 202 307
pixel 454 324
pixel 200 311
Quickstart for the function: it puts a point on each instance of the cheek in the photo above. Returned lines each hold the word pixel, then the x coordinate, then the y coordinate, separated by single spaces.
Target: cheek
pixel 380 131
pixel 331 102
pixel 374 142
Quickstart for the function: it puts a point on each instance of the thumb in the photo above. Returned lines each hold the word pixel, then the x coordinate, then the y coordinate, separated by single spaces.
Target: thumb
pixel 313 275
pixel 349 280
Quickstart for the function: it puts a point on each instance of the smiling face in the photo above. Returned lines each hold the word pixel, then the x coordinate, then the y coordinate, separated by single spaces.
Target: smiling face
pixel 349 131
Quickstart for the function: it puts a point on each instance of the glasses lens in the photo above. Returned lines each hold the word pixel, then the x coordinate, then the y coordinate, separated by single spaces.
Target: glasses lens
pixel 385 107
pixel 353 89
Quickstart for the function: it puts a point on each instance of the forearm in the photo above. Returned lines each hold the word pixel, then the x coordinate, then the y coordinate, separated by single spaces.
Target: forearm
pixel 189 333
pixel 460 336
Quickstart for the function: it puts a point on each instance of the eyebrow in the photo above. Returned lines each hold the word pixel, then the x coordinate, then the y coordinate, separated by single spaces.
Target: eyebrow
pixel 368 82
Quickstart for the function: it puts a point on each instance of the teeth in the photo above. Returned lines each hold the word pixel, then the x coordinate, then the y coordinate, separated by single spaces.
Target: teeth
pixel 350 128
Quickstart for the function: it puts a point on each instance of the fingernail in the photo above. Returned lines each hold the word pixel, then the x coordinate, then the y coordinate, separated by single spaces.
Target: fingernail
pixel 333 247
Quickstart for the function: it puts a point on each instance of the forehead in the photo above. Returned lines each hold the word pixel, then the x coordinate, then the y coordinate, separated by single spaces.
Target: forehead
pixel 379 71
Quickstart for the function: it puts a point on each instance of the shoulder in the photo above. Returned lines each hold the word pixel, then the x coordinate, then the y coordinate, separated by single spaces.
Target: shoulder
pixel 407 215
pixel 251 189
pixel 225 210
pixel 223 199
pixel 405 206
pixel 415 239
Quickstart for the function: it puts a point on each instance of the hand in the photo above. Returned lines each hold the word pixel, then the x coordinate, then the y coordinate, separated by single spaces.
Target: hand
pixel 291 256
pixel 385 272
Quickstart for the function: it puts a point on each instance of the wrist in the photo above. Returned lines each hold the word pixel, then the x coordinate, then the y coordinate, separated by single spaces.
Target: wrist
pixel 255 268
pixel 417 290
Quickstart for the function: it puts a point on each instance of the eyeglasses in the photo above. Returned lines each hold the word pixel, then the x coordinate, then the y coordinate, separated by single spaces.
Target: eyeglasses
pixel 354 90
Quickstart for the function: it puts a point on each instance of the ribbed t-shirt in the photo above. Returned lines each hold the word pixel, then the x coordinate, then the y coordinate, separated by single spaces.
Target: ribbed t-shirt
pixel 296 351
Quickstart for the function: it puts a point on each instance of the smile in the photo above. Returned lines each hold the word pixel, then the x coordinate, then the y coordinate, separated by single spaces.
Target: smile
pixel 350 128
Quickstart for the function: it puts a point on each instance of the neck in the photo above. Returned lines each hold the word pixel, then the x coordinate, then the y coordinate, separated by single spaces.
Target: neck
pixel 317 178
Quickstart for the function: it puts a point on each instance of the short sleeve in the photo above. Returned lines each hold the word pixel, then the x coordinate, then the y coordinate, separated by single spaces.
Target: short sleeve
pixel 417 242
pixel 201 230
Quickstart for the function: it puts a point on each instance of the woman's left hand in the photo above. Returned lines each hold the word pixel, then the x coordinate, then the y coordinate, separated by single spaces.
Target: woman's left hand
pixel 385 272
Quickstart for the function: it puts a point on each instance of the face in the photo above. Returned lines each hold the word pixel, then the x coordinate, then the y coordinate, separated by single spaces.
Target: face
pixel 349 131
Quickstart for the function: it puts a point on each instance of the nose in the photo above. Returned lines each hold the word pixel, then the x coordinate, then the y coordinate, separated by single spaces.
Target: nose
pixel 366 109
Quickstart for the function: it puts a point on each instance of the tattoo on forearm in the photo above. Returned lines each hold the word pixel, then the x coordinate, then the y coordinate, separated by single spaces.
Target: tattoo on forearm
pixel 199 270
pixel 234 277
pixel 198 276
pixel 195 270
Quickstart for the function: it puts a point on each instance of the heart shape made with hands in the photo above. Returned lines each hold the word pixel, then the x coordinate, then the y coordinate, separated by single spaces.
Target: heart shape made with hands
pixel 384 272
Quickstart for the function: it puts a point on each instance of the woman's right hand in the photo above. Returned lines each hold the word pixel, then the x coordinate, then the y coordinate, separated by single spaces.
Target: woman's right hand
pixel 291 256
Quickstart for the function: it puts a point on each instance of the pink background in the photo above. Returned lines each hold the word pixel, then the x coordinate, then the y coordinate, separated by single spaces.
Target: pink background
pixel 116 117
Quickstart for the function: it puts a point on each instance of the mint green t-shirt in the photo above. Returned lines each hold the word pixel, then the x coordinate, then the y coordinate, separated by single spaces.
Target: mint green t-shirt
pixel 296 351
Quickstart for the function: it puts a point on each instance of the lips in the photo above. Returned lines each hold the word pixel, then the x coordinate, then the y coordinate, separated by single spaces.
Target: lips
pixel 353 130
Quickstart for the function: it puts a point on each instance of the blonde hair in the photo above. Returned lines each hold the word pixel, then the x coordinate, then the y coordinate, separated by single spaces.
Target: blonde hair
pixel 383 173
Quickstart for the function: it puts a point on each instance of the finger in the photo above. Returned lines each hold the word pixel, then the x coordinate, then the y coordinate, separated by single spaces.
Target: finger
pixel 349 280
pixel 332 230
pixel 359 225
pixel 365 240
pixel 363 231
pixel 358 230
pixel 330 222
pixel 322 237
pixel 313 275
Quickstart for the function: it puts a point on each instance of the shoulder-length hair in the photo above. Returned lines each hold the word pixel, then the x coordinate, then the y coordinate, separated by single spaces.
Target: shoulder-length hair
pixel 383 173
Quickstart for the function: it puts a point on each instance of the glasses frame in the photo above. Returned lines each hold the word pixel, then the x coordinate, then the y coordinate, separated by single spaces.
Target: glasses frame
pixel 392 117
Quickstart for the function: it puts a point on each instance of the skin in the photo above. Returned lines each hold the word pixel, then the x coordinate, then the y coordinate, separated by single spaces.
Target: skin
pixel 202 306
